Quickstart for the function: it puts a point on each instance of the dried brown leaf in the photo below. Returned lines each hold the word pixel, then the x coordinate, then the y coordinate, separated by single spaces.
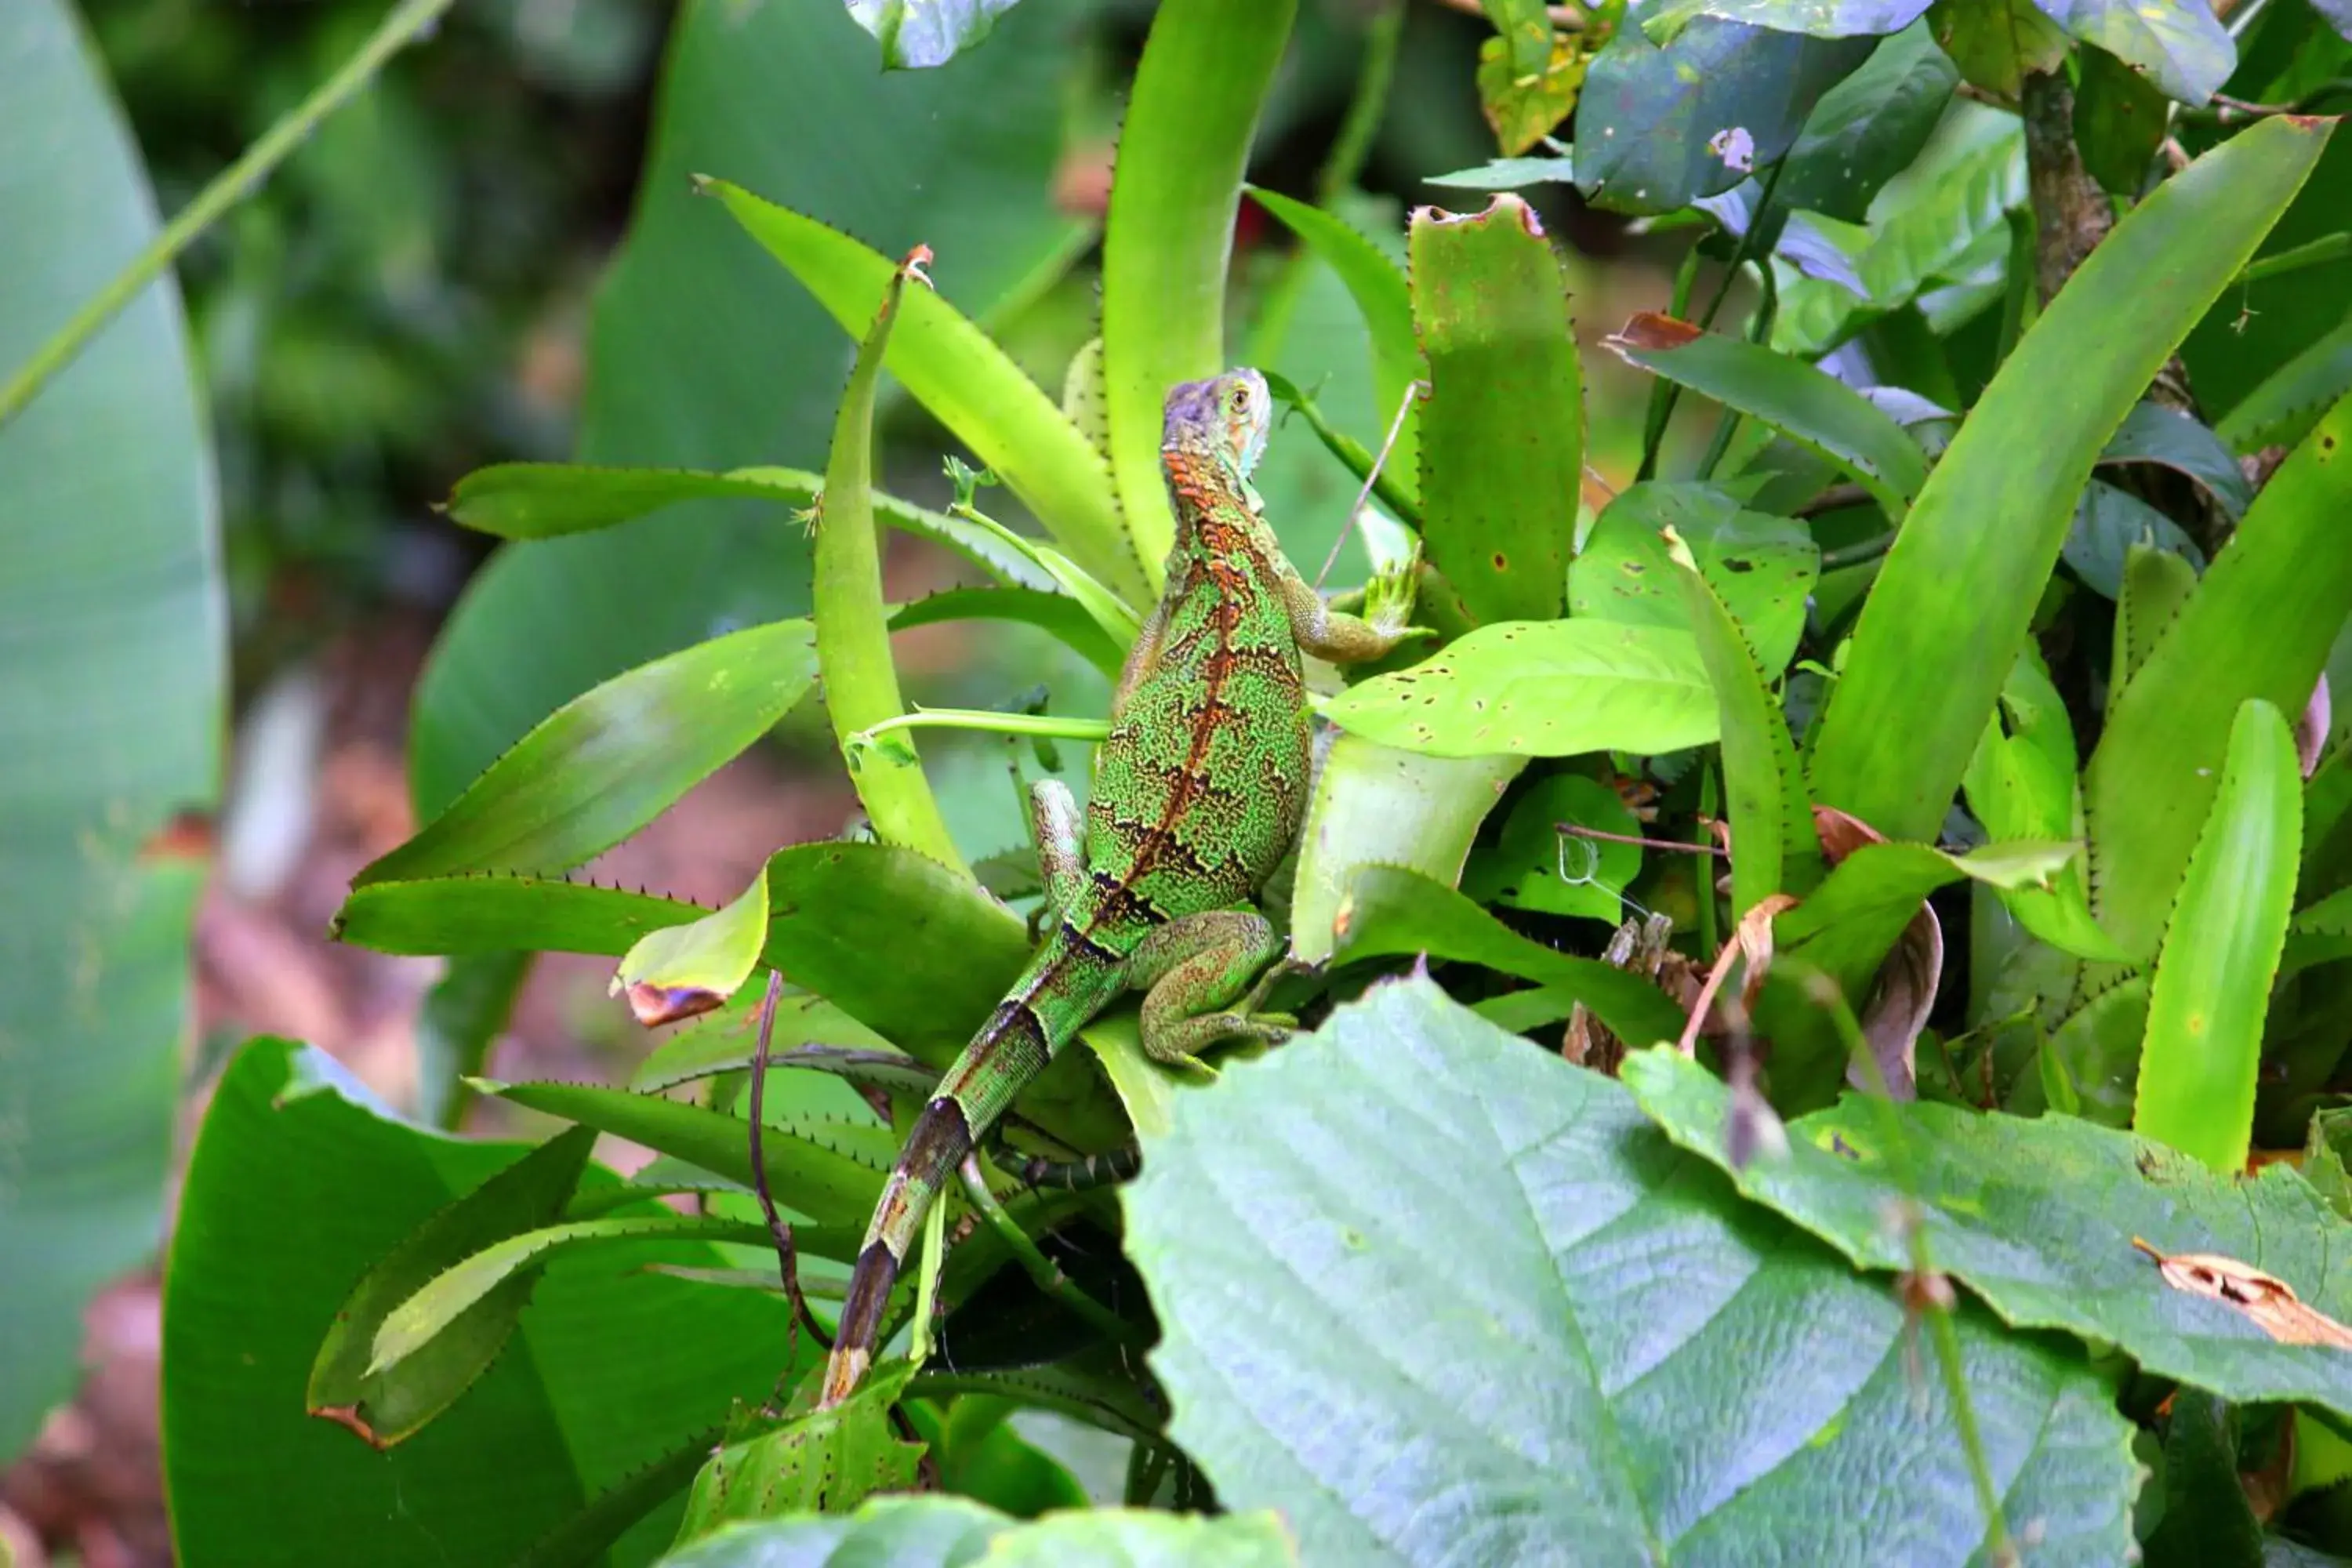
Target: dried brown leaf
pixel 2271 1302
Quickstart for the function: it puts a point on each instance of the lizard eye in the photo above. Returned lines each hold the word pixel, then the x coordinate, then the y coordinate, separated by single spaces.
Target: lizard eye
pixel 1241 398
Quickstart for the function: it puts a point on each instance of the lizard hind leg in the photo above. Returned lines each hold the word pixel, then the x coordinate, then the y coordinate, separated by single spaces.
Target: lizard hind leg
pixel 1059 829
pixel 1192 971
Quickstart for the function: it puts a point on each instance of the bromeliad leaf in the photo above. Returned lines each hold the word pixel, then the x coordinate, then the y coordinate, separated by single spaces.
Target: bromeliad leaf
pixel 1503 433
pixel 825 1459
pixel 1607 1299
pixel 1763 566
pixel 606 763
pixel 1542 688
pixel 2038 1218
pixel 1808 405
pixel 680 970
pixel 546 500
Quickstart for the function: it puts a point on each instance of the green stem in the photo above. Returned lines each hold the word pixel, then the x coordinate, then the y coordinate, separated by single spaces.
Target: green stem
pixel 927 1284
pixel 1825 993
pixel 408 21
pixel 1855 554
pixel 1348 450
pixel 1040 1269
pixel 1703 867
pixel 2328 247
pixel 1053 725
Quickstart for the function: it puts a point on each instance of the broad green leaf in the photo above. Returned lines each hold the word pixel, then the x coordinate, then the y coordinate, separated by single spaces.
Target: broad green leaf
pixel 2021 784
pixel 916 35
pixel 548 501
pixel 1869 127
pixel 1375 804
pixel 446 1300
pixel 298 1187
pixel 952 1530
pixel 1192 114
pixel 1540 688
pixel 1658 128
pixel 1997 42
pixel 2175 44
pixel 1928 225
pixel 680 971
pixel 113 704
pixel 2259 625
pixel 1764 567
pixel 2109 524
pixel 1847 924
pixel 1809 406
pixel 853 636
pixel 2283 408
pixel 2151 432
pixel 970 385
pixel 825 1167
pixel 606 763
pixel 1820 18
pixel 2120 119
pixel 1951 608
pixel 383 1409
pixel 1534 866
pixel 824 1459
pixel 2212 982
pixel 2037 1217
pixel 1412 1223
pixel 1379 292
pixel 2207 1518
pixel 700 356
pixel 1392 912
pixel 1056 614
pixel 902 944
pixel 1503 432
pixel 1775 848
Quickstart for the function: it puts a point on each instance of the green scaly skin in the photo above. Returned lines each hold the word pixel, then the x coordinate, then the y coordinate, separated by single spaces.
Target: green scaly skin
pixel 1198 794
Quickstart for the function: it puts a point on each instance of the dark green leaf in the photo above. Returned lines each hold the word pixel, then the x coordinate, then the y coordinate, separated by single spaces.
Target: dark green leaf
pixel 2152 432
pixel 298 1187
pixel 1542 688
pixel 1658 128
pixel 2207 1521
pixel 918 33
pixel 1394 912
pixel 608 763
pixel 1997 42
pixel 2259 625
pixel 2108 523
pixel 384 1407
pixel 1869 127
pixel 1534 866
pixel 2119 122
pixel 2037 1217
pixel 1808 405
pixel 1590 1318
pixel 1503 433
pixel 827 1460
pixel 1953 599
pixel 112 712
pixel 1764 567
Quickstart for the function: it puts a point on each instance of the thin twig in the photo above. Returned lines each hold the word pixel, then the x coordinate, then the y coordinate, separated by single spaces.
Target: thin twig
pixel 1836 497
pixel 1578 830
pixel 787 1260
pixel 407 23
pixel 1413 393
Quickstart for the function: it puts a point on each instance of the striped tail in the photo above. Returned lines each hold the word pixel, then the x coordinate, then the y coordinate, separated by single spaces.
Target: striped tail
pixel 1047 1008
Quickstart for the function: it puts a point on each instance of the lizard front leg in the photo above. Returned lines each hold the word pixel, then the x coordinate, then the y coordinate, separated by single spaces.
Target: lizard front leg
pixel 1342 638
pixel 1191 970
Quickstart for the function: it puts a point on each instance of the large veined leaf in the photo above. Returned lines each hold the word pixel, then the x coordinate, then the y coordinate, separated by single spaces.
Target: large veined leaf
pixel 112 711
pixel 299 1185
pixel 1942 625
pixel 701 355
pixel 2038 1216
pixel 952 1530
pixel 1411 1224
pixel 1542 688
pixel 1658 128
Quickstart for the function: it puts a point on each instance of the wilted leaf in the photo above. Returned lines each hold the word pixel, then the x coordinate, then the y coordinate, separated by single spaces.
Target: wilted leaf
pixel 2270 1303
pixel 680 971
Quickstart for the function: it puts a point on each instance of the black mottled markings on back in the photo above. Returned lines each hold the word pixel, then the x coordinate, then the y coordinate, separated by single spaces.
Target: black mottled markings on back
pixel 1079 941
pixel 1118 901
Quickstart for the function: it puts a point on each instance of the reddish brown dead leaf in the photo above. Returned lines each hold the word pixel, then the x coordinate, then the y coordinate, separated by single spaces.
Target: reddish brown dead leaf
pixel 2269 1301
pixel 657 1004
pixel 1842 832
pixel 1899 1004
pixel 1654 330
pixel 1753 938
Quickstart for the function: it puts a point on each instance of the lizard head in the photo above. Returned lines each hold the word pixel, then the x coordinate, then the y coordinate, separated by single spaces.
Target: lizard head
pixel 1227 416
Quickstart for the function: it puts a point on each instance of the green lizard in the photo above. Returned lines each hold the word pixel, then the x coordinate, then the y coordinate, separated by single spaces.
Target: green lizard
pixel 1199 790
